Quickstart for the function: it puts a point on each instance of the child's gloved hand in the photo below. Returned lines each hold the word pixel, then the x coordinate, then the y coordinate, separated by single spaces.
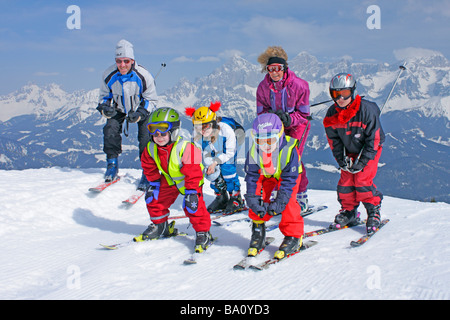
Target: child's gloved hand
pixel 190 201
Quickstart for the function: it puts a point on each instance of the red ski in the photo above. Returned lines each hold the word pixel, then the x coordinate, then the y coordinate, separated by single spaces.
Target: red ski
pixel 102 186
pixel 134 197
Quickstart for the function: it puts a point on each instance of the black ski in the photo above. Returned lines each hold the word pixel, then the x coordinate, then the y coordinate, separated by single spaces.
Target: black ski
pixel 194 256
pixel 246 262
pixel 329 229
pixel 266 264
pixel 138 239
pixel 366 237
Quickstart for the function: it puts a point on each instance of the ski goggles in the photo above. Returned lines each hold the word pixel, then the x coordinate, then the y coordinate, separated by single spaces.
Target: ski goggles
pixel 267 141
pixel 344 93
pixel 202 126
pixel 275 68
pixel 161 127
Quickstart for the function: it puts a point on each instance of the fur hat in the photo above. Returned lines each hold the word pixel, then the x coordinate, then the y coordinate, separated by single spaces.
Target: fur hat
pixel 124 49
pixel 271 53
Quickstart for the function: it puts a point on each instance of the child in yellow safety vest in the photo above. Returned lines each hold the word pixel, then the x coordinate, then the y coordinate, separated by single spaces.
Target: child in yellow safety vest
pixel 272 177
pixel 173 166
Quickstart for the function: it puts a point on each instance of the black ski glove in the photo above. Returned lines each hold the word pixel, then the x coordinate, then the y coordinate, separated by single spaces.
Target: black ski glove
pixel 138 115
pixel 106 110
pixel 255 203
pixel 285 117
pixel 277 207
pixel 358 166
pixel 190 201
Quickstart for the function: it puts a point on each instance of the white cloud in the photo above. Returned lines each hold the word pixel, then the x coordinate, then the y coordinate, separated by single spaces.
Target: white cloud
pixel 230 53
pixel 183 59
pixel 412 53
pixel 208 59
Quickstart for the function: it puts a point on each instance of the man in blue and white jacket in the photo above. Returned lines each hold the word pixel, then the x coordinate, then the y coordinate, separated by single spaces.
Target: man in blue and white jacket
pixel 127 92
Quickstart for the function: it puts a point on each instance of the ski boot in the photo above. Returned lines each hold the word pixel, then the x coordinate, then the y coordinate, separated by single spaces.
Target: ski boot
pixel 221 200
pixel 345 218
pixel 289 246
pixel 157 231
pixel 202 241
pixel 302 199
pixel 219 203
pixel 258 238
pixel 112 169
pixel 373 217
pixel 235 202
pixel 143 183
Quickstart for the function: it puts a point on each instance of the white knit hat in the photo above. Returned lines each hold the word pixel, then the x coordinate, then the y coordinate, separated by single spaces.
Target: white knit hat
pixel 124 49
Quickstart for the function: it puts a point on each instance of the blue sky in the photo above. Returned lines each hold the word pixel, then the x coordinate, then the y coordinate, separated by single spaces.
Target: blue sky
pixel 194 37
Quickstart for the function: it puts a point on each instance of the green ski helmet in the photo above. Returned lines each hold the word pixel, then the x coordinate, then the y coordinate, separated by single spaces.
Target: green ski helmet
pixel 164 120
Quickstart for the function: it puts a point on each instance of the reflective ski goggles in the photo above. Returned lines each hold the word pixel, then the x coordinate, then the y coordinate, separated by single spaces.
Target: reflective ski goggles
pixel 269 141
pixel 344 93
pixel 202 126
pixel 275 68
pixel 161 127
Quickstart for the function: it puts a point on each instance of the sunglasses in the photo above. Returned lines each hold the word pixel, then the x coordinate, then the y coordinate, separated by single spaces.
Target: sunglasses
pixel 162 127
pixel 275 68
pixel 119 62
pixel 344 93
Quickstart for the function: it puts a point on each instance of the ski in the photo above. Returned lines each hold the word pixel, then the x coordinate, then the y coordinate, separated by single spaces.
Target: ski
pixel 222 213
pixel 366 237
pixel 138 239
pixel 266 264
pixel 134 197
pixel 313 209
pixel 245 263
pixel 307 213
pixel 194 256
pixel 102 186
pixel 328 230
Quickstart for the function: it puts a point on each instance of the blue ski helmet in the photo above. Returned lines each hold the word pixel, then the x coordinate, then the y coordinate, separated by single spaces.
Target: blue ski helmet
pixel 268 125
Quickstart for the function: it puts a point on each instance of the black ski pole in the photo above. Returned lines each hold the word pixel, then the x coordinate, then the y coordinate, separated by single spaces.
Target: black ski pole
pixel 163 65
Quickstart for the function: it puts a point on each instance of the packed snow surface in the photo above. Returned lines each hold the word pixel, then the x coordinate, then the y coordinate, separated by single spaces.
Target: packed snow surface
pixel 51 227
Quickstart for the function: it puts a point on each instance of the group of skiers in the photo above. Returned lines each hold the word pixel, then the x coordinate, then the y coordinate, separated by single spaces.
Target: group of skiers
pixel 275 177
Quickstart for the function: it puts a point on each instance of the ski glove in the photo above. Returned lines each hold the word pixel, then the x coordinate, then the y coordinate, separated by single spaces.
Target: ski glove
pixel 137 115
pixel 152 191
pixel 357 167
pixel 256 204
pixel 106 110
pixel 190 201
pixel 345 164
pixel 277 207
pixel 284 117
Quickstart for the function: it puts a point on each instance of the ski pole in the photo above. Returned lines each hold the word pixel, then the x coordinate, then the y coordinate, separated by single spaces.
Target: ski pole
pixel 316 104
pixel 402 67
pixel 163 65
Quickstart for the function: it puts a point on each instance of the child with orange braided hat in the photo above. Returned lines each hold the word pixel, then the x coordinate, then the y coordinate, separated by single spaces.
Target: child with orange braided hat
pixel 218 141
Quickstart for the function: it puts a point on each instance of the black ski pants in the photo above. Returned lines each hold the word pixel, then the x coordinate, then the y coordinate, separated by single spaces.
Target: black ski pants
pixel 112 135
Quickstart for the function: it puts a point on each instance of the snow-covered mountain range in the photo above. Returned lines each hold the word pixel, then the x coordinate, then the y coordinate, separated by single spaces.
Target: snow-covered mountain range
pixel 45 126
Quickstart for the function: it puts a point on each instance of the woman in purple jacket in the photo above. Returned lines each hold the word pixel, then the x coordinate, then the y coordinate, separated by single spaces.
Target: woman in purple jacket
pixel 283 93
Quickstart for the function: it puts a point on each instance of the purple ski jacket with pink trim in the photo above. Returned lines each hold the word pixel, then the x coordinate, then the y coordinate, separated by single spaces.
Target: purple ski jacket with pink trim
pixel 290 94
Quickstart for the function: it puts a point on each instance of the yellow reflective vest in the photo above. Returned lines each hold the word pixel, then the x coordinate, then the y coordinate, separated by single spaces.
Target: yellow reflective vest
pixel 281 159
pixel 174 175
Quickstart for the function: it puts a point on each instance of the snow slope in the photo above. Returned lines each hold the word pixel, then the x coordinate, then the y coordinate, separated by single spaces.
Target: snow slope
pixel 51 227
